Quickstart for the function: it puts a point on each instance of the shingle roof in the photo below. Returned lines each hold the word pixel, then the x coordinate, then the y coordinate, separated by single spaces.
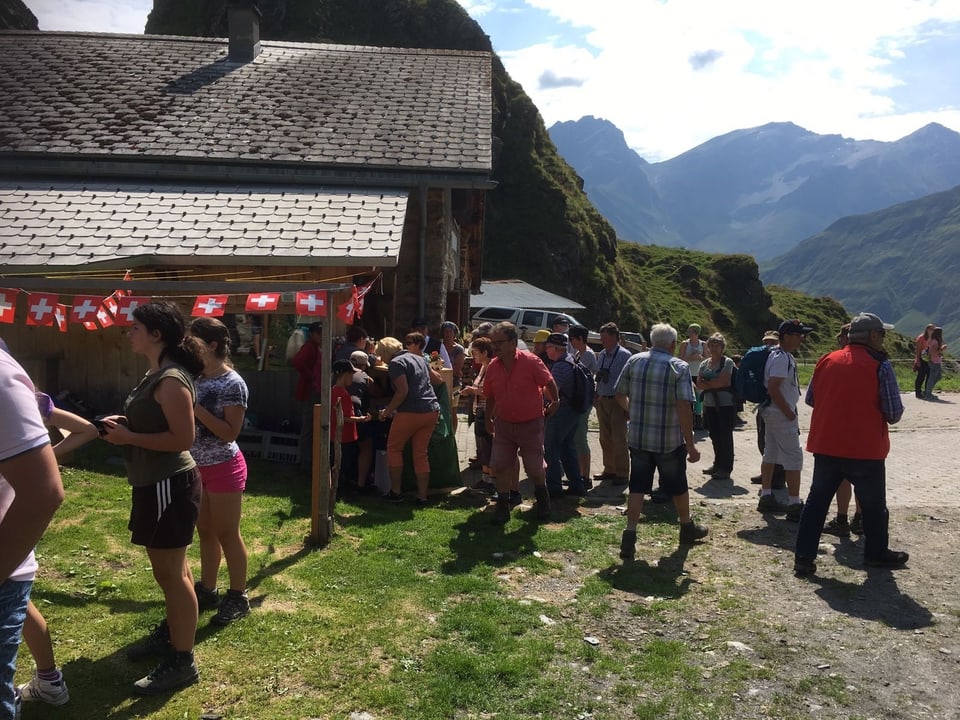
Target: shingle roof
pixel 147 96
pixel 57 225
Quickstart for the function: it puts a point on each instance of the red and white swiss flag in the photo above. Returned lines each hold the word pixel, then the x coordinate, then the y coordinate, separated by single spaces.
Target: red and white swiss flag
pixel 261 302
pixel 125 307
pixel 60 316
pixel 312 302
pixel 111 302
pixel 8 304
pixel 104 317
pixel 209 306
pixel 85 308
pixel 41 308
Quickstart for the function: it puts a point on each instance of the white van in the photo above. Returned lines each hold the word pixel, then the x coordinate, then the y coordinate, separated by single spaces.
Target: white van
pixel 527 320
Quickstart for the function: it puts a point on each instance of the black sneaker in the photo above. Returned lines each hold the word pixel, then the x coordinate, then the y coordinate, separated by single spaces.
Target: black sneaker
pixel 394 498
pixel 838 527
pixel 889 559
pixel 154 644
pixel 541 506
pixel 501 512
pixel 515 498
pixel 628 545
pixel 206 599
pixel 235 605
pixel 690 533
pixel 803 567
pixel 576 489
pixel 794 511
pixel 856 524
pixel 176 670
pixel 769 503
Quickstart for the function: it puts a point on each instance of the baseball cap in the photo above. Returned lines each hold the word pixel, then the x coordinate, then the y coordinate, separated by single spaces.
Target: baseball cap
pixel 865 322
pixel 343 366
pixel 771 335
pixel 315 327
pixel 793 327
pixel 558 339
pixel 541 336
pixel 561 320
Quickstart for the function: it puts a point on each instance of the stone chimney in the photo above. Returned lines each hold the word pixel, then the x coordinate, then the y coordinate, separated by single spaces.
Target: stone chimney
pixel 243 27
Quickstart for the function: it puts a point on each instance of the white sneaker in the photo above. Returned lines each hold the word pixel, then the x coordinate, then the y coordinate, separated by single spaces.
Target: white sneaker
pixel 52 693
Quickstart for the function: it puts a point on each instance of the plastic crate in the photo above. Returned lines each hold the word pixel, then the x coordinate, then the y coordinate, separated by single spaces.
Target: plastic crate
pixel 278 447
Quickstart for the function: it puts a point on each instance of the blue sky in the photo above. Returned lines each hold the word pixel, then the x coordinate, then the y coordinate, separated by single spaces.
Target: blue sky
pixel 675 73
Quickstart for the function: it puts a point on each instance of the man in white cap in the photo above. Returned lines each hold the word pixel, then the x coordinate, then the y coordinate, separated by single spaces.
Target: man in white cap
pixel 854 396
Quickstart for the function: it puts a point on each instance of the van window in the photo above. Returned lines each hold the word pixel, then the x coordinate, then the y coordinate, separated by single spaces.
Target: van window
pixel 495 314
pixel 532 318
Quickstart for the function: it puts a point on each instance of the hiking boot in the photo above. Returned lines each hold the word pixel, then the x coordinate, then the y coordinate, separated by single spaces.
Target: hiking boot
pixel 176 670
pixel 206 599
pixel 888 559
pixel 756 479
pixel 156 643
pixel 794 511
pixel 628 544
pixel 234 606
pixel 50 692
pixel 690 532
pixel 769 503
pixel 515 498
pixel 393 498
pixel 721 476
pixel 501 512
pixel 802 567
pixel 856 524
pixel 577 489
pixel 541 507
pixel 838 527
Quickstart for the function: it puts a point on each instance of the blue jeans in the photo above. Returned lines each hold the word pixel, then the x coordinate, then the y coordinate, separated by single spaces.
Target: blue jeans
pixel 13 609
pixel 869 479
pixel 560 447
pixel 936 372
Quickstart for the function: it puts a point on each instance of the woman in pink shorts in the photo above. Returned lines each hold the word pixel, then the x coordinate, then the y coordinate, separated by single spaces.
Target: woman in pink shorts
pixel 221 405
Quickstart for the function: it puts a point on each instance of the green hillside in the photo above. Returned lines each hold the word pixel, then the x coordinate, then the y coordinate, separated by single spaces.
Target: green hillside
pixel 901 262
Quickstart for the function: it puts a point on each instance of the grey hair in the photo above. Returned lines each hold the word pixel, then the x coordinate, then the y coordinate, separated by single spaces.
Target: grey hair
pixel 663 335
pixel 359 359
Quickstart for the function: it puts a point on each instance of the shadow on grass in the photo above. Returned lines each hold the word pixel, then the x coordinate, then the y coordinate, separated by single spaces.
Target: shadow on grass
pixel 777 532
pixel 478 542
pixel 666 579
pixel 716 489
pixel 877 599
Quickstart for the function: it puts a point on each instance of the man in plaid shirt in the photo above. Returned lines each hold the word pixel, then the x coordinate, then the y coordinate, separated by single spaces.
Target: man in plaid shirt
pixel 656 392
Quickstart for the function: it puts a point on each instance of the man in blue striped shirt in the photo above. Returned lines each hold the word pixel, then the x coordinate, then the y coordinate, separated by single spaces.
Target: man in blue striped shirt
pixel 656 392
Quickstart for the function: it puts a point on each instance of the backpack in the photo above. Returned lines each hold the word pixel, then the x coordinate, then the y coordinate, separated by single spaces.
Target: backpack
pixel 748 381
pixel 583 388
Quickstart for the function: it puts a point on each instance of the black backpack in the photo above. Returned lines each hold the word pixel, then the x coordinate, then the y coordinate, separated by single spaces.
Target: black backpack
pixel 748 381
pixel 583 388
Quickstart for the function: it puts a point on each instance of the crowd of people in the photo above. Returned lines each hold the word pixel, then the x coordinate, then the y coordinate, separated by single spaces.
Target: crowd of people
pixel 528 407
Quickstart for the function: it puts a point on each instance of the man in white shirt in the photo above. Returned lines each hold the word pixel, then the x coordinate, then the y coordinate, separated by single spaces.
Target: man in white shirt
pixel 30 493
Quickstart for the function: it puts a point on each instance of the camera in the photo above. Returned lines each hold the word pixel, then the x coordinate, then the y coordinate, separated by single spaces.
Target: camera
pixel 100 425
pixel 603 374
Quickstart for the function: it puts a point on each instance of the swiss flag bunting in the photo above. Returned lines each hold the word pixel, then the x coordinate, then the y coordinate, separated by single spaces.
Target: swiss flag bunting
pixel 209 306
pixel 125 307
pixel 111 302
pixel 259 302
pixel 313 302
pixel 85 308
pixel 8 305
pixel 347 310
pixel 60 315
pixel 104 317
pixel 41 307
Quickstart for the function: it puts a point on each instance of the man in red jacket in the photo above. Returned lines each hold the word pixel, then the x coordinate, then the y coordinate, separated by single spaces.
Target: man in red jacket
pixel 854 396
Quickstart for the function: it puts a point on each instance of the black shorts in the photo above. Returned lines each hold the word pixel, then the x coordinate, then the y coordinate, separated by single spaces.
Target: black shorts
pixel 164 515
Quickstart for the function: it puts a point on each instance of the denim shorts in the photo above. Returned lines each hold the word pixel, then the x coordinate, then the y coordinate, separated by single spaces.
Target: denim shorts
pixel 672 467
pixel 14 595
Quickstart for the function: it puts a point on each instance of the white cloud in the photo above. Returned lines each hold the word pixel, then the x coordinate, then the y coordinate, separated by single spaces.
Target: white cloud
pixel 824 65
pixel 116 16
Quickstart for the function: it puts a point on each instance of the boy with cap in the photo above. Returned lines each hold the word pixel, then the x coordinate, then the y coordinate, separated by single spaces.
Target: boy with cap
pixel 781 423
pixel 856 381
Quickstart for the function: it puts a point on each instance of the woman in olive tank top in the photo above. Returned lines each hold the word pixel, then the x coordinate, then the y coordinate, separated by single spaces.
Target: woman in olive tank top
pixel 156 433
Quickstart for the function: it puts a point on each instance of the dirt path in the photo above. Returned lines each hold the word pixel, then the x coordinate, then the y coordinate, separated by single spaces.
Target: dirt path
pixel 849 643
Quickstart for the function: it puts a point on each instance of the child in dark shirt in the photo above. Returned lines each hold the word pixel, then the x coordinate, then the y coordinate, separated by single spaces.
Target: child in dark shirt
pixel 343 372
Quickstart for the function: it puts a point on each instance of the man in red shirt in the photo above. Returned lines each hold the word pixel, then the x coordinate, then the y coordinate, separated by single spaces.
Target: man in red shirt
pixel 514 387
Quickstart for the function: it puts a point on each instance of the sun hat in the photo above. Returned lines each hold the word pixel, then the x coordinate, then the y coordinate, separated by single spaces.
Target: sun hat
pixel 793 327
pixel 541 336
